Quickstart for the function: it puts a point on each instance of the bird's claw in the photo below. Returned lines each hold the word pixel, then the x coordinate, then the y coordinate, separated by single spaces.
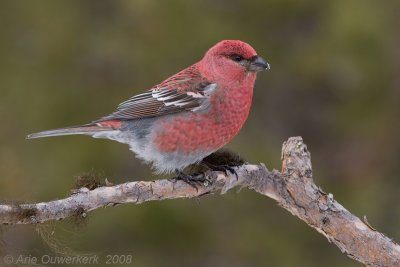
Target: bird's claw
pixel 192 180
pixel 223 168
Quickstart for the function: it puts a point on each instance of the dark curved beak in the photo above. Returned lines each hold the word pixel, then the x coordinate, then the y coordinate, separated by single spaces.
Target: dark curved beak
pixel 257 64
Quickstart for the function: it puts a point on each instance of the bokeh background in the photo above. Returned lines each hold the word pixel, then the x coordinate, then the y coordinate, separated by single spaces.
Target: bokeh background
pixel 335 80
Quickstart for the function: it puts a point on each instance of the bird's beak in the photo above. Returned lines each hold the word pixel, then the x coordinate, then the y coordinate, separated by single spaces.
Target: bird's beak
pixel 257 64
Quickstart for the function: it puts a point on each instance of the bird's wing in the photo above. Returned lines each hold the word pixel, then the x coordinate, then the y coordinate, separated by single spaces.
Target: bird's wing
pixel 185 91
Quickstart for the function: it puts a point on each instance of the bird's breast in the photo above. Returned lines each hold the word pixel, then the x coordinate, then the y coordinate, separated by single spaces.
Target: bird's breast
pixel 209 130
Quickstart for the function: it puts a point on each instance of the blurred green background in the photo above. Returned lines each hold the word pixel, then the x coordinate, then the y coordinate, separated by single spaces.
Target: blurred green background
pixel 335 80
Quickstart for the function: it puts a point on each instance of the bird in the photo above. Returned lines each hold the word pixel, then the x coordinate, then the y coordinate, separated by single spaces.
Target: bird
pixel 188 116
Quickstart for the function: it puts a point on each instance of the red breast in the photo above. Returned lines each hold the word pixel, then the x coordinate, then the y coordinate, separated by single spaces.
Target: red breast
pixel 212 129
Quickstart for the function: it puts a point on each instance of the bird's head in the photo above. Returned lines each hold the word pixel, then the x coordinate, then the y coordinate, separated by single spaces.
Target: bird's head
pixel 232 59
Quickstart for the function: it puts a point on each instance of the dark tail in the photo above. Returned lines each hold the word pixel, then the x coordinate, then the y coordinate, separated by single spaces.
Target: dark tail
pixel 87 129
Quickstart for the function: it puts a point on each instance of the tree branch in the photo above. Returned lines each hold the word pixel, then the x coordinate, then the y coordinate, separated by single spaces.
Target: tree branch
pixel 293 188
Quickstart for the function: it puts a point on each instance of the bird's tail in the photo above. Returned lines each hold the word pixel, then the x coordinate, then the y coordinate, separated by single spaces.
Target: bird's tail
pixel 87 129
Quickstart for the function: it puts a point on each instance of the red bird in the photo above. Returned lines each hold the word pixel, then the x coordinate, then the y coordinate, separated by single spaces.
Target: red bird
pixel 188 116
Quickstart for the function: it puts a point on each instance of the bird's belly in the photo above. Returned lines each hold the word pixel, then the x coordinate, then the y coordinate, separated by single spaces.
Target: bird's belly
pixel 176 143
pixel 198 134
pixel 194 133
pixel 178 140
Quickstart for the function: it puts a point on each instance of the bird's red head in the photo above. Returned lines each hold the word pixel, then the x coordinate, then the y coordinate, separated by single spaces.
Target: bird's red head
pixel 231 60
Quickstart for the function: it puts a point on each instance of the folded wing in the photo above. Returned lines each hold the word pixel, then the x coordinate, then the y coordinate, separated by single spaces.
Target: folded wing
pixel 185 91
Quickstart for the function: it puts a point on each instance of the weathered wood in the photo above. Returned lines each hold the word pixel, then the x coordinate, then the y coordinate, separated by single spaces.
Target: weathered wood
pixel 293 188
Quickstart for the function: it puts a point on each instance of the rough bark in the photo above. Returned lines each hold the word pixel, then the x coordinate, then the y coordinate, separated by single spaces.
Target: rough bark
pixel 293 188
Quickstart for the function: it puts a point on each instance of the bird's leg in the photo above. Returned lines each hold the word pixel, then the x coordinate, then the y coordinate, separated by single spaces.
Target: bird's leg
pixel 223 168
pixel 223 160
pixel 193 179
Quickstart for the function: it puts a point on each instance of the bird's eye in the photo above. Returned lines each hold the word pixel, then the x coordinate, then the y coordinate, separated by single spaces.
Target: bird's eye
pixel 237 58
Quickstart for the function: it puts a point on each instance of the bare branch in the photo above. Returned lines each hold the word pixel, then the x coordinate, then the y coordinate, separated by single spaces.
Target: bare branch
pixel 293 189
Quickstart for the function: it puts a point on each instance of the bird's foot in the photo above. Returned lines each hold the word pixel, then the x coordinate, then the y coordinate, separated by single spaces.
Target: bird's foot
pixel 223 160
pixel 222 168
pixel 193 180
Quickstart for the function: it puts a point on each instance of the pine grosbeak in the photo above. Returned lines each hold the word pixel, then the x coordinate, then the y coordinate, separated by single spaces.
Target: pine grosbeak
pixel 188 116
